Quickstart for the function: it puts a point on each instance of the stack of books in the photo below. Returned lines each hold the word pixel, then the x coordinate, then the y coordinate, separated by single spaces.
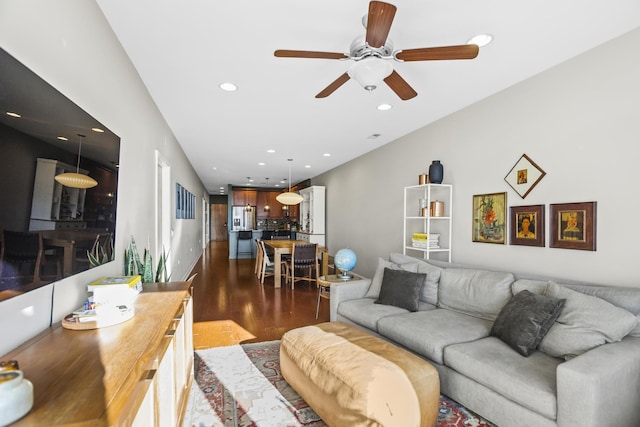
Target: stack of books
pixel 112 296
pixel 425 241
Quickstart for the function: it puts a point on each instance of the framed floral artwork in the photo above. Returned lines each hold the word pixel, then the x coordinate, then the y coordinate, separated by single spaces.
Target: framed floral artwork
pixel 524 175
pixel 573 226
pixel 490 218
pixel 527 225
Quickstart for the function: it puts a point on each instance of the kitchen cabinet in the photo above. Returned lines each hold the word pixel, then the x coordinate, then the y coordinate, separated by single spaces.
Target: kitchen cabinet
pixel 243 197
pixel 52 201
pixel 428 211
pixel 136 373
pixel 312 214
pixel 275 207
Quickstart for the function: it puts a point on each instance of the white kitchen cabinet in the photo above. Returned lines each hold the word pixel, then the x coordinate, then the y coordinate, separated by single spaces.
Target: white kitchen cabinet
pixel 434 221
pixel 312 214
pixel 54 203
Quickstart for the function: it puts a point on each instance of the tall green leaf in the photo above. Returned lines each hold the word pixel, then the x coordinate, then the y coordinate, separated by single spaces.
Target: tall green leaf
pixel 147 274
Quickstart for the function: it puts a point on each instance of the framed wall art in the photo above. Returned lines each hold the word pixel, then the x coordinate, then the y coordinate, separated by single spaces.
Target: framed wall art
pixel 524 175
pixel 490 218
pixel 527 225
pixel 573 226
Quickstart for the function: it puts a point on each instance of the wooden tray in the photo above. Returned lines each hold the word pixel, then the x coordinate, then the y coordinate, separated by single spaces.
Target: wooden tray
pixel 70 322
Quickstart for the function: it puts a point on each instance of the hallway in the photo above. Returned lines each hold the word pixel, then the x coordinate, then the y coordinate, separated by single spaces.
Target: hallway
pixel 232 307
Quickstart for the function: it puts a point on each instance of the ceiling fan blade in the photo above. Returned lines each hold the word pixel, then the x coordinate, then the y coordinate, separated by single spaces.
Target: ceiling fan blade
pixel 379 22
pixel 308 54
pixel 400 86
pixel 466 51
pixel 333 86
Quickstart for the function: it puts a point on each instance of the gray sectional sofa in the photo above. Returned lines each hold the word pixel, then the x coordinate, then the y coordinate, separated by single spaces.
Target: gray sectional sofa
pixel 583 370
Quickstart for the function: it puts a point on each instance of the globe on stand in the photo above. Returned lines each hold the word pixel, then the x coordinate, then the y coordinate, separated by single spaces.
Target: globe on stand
pixel 345 260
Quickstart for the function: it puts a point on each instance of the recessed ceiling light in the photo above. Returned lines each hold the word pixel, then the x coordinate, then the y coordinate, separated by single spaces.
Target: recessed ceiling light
pixel 307 166
pixel 229 87
pixel 271 151
pixel 374 136
pixel 63 138
pixel 384 107
pixel 327 154
pixel 481 40
pixel 261 164
pixel 98 130
pixel 214 168
pixel 222 188
pixel 12 114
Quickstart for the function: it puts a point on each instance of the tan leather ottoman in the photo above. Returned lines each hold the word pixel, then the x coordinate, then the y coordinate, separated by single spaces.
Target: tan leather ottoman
pixel 351 378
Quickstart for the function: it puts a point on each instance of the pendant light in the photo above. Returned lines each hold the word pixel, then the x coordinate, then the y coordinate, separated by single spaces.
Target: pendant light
pixel 289 198
pixel 267 208
pixel 76 180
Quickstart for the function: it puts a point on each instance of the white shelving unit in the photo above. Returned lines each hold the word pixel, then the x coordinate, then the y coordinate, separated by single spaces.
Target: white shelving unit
pixel 312 217
pixel 415 222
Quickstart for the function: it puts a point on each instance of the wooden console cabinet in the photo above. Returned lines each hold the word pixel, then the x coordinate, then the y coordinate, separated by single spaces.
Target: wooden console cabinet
pixel 137 373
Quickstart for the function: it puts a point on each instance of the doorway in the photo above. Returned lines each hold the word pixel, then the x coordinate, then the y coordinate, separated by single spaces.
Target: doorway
pixel 219 215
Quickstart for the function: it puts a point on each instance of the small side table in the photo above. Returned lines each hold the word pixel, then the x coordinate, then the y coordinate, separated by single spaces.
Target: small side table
pixel 324 286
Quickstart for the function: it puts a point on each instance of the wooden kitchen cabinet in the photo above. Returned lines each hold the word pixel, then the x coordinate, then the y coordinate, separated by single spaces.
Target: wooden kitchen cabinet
pixel 245 197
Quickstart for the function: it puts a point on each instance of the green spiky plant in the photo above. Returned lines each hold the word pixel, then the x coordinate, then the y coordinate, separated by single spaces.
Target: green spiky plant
pixel 99 255
pixel 144 267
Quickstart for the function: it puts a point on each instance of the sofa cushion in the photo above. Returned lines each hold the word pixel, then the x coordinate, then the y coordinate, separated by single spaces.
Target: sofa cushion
pixel 429 332
pixel 478 293
pixel 529 381
pixel 365 313
pixel 401 288
pixel 429 291
pixel 376 281
pixel 585 322
pixel 525 320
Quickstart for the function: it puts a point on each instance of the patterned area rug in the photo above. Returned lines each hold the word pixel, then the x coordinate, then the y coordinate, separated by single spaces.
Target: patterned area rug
pixel 241 385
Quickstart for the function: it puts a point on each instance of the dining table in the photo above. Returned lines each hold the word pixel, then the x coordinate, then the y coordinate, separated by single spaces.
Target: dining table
pixel 68 240
pixel 283 247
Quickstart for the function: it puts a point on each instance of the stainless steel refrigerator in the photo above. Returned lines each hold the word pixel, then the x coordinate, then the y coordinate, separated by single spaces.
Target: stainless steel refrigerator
pixel 243 218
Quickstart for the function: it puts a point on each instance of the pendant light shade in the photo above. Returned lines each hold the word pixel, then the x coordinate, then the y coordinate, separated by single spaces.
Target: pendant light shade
pixel 76 179
pixel 289 198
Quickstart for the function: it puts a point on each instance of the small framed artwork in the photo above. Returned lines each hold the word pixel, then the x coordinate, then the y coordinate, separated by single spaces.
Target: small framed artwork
pixel 527 225
pixel 490 218
pixel 524 175
pixel 573 226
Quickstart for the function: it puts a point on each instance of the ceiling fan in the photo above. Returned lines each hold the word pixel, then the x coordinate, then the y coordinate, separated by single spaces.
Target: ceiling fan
pixel 372 55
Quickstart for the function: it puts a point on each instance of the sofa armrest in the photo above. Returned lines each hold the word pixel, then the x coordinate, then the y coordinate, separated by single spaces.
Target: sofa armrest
pixel 352 289
pixel 601 387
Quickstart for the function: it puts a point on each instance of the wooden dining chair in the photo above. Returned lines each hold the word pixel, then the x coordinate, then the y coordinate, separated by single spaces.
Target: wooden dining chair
pixel 268 265
pixel 304 257
pixel 258 264
pixel 17 249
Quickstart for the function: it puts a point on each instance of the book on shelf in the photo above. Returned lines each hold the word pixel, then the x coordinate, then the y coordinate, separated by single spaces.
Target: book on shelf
pixel 425 236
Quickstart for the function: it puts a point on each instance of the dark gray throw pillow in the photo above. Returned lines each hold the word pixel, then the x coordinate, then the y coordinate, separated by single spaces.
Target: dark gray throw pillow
pixel 401 288
pixel 525 320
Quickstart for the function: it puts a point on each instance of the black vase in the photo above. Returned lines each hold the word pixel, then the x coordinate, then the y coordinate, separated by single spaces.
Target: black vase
pixel 436 172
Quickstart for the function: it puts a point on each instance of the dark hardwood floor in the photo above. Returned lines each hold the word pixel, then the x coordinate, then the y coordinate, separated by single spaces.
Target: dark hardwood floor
pixel 230 306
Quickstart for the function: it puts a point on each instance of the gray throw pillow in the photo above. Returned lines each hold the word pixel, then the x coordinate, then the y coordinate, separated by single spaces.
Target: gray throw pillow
pixel 585 323
pixel 376 281
pixel 401 288
pixel 525 320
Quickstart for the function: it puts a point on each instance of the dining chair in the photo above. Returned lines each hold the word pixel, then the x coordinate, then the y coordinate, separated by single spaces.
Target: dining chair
pixel 19 248
pixel 304 257
pixel 258 265
pixel 268 266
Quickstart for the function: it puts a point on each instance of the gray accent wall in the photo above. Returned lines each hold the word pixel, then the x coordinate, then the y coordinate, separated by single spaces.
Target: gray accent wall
pixel 579 121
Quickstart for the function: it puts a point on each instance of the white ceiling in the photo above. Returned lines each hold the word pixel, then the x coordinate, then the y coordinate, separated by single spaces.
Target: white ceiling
pixel 184 49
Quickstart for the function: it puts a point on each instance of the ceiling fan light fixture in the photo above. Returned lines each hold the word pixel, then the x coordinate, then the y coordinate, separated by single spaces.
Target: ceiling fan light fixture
pixel 481 40
pixel 370 71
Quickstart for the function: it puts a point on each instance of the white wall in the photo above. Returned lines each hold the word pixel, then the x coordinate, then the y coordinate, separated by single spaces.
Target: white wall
pixel 580 122
pixel 70 45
